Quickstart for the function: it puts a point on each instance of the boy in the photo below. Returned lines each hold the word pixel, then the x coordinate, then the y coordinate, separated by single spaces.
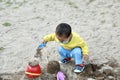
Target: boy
pixel 71 46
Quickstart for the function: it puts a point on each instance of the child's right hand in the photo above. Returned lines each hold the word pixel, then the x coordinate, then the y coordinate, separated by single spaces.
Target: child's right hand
pixel 39 53
pixel 42 45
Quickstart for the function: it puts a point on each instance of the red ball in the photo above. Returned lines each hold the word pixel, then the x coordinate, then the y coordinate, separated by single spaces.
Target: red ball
pixel 33 71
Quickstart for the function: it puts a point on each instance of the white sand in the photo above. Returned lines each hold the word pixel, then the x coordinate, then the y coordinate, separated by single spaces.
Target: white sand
pixel 98 22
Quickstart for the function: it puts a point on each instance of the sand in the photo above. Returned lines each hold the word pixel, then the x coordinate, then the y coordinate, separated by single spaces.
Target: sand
pixel 23 23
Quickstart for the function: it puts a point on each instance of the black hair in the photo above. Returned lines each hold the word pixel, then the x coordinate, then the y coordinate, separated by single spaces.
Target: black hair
pixel 63 29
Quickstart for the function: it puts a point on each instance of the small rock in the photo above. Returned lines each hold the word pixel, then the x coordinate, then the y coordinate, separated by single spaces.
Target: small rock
pixel 81 78
pixel 90 79
pixel 98 74
pixel 108 72
pixel 1 78
pixel 118 72
pixel 113 63
pixel 111 78
pixel 99 78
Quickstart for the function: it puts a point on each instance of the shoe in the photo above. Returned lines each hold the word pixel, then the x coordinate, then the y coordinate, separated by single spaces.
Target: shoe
pixel 79 68
pixel 64 61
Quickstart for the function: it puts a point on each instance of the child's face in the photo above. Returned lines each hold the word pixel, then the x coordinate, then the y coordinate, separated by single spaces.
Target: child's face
pixel 63 39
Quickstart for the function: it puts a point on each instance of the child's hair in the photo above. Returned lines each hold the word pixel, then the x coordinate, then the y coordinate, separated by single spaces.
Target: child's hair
pixel 53 67
pixel 63 29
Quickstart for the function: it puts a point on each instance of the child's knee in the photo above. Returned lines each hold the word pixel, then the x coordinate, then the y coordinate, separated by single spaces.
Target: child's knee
pixel 60 49
pixel 77 51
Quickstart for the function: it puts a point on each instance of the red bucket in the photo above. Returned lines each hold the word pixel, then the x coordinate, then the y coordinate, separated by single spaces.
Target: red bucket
pixel 33 71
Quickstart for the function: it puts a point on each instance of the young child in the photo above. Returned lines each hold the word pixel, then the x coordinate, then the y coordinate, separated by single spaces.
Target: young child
pixel 53 67
pixel 71 46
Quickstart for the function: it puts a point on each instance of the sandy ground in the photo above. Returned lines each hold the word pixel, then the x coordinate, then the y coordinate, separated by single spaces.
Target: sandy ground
pixel 23 23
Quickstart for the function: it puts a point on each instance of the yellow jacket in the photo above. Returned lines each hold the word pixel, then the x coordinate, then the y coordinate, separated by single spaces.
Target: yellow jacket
pixel 76 41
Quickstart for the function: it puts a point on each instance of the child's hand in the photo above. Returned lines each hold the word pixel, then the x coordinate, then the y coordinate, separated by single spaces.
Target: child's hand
pixel 85 57
pixel 42 45
pixel 39 53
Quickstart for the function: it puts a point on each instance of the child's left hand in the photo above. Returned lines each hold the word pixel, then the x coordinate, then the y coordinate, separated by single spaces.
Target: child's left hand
pixel 85 57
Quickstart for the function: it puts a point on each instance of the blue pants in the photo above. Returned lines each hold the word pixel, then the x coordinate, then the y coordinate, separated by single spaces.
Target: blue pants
pixel 75 53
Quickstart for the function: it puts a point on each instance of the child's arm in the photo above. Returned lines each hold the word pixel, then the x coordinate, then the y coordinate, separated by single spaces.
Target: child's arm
pixel 85 52
pixel 50 37
pixel 84 47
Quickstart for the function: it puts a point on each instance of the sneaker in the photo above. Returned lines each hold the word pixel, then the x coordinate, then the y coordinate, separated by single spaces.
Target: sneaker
pixel 79 68
pixel 64 61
